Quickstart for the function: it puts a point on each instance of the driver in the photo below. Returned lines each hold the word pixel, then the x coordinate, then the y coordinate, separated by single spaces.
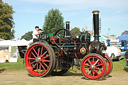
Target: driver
pixel 36 34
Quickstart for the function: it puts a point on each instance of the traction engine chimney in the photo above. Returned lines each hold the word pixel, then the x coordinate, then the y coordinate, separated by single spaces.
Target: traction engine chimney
pixel 96 25
pixel 67 27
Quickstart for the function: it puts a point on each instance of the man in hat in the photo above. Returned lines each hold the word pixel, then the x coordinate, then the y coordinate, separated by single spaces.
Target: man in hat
pixel 36 34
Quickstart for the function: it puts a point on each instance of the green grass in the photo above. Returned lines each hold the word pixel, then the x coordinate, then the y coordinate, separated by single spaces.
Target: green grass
pixel 117 66
pixel 13 66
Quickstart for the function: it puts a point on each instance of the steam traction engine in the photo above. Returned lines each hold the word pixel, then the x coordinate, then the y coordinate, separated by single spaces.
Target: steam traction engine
pixel 55 53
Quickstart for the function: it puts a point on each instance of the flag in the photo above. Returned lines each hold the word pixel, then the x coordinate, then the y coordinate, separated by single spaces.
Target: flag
pixel 108 28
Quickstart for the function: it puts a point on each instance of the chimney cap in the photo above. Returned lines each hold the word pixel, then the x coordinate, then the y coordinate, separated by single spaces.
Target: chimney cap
pixel 67 22
pixel 96 12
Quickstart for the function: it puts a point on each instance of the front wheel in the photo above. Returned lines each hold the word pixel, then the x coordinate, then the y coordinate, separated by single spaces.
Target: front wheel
pixel 93 66
pixel 109 65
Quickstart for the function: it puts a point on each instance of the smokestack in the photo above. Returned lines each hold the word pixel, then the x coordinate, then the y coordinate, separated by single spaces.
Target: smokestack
pixel 67 27
pixel 96 25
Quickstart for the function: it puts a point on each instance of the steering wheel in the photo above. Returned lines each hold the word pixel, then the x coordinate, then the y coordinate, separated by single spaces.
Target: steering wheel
pixel 56 33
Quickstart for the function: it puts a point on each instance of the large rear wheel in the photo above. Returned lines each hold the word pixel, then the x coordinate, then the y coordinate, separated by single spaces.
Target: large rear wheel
pixel 93 66
pixel 40 59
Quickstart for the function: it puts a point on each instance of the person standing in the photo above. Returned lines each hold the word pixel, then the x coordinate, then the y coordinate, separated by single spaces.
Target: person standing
pixel 36 34
pixel 126 56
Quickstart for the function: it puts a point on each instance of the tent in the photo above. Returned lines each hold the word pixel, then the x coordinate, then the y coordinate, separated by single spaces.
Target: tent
pixel 123 37
pixel 1 39
pixel 20 43
pixel 6 43
pixel 101 38
pixel 14 47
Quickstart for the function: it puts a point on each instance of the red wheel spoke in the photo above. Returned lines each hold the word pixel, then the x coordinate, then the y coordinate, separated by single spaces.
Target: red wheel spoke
pixel 41 50
pixel 99 69
pixel 44 53
pixel 89 62
pixel 46 56
pixel 34 55
pixel 33 62
pixel 96 62
pixel 89 72
pixel 96 72
pixel 31 58
pixel 87 65
pixel 87 68
pixel 99 65
pixel 45 65
pixel 35 51
pixel 46 60
pixel 38 51
pixel 37 67
pixel 34 65
pixel 40 69
pixel 93 73
pixel 42 66
pixel 93 60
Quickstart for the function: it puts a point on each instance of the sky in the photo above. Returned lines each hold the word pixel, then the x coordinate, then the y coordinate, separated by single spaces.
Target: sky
pixel 31 13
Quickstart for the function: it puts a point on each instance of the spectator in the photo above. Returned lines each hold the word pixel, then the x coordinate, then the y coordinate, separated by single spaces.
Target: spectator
pixel 126 56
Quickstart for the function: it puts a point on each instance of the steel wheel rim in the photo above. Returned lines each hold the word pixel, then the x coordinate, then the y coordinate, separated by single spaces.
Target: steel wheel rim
pixel 93 67
pixel 40 64
pixel 108 62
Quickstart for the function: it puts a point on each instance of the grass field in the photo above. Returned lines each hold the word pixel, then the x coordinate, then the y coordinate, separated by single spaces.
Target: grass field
pixel 13 66
pixel 16 74
pixel 117 66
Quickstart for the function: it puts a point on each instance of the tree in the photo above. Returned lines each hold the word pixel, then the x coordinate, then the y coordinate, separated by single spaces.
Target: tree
pixel 75 31
pixel 6 21
pixel 27 36
pixel 125 32
pixel 53 21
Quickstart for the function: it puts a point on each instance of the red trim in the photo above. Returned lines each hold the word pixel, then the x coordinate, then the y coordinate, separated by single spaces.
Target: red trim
pixel 89 47
pixel 97 62
pixel 81 50
pixel 101 50
pixel 75 47
pixel 108 65
pixel 52 40
pixel 43 65
pixel 62 53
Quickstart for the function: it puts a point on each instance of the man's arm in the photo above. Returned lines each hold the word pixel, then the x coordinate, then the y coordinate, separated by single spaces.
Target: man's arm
pixel 38 33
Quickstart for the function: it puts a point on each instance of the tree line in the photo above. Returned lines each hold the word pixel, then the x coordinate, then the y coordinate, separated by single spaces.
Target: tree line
pixel 6 21
pixel 53 21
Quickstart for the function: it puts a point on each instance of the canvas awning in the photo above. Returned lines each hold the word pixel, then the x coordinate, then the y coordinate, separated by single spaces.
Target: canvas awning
pixel 101 38
pixel 123 37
